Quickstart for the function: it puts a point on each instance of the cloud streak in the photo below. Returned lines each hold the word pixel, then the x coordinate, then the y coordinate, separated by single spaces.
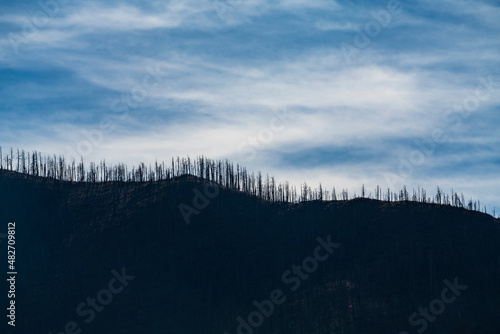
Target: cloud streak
pixel 222 78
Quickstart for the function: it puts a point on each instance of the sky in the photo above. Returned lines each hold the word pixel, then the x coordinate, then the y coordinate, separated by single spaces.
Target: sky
pixel 344 93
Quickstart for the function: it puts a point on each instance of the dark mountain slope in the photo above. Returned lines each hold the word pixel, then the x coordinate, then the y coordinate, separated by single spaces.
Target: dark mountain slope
pixel 199 278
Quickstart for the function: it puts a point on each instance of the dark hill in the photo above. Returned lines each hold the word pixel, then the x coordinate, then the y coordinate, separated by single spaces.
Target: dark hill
pixel 393 259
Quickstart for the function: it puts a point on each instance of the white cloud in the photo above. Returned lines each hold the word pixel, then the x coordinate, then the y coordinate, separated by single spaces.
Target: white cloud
pixel 216 91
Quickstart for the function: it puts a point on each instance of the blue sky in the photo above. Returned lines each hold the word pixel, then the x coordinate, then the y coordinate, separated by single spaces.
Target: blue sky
pixel 342 92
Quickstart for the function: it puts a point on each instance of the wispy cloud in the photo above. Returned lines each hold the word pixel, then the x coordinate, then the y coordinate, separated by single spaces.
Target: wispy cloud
pixel 221 77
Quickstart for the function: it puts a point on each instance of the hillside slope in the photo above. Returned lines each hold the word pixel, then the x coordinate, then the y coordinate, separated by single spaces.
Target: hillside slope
pixel 369 265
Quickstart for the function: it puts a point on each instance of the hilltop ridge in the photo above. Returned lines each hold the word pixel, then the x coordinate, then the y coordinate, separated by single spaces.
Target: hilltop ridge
pixel 393 258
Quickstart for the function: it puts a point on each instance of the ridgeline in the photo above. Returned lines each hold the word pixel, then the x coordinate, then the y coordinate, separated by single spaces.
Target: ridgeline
pixel 121 257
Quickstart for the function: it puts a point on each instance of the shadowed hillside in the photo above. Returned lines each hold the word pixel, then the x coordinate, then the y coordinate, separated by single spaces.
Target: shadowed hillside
pixel 119 257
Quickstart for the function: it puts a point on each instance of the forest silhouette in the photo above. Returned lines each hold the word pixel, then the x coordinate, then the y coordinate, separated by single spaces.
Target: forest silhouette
pixel 222 172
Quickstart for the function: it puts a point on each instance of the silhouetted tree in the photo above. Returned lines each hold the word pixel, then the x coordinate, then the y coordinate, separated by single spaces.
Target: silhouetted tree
pixel 221 172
